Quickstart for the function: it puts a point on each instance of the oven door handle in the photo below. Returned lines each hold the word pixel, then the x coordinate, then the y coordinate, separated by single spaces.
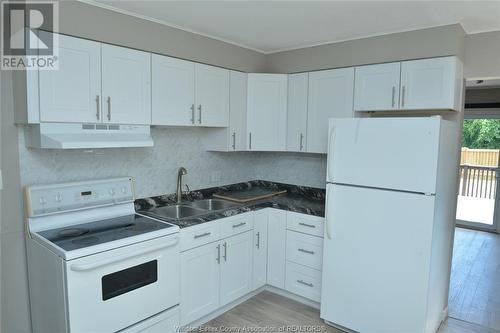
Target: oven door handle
pixel 88 267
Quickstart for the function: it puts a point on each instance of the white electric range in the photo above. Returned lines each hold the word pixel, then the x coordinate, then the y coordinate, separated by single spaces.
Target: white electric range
pixel 95 265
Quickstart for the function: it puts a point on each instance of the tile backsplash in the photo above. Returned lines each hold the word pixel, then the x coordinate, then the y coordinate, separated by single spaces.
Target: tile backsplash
pixel 155 169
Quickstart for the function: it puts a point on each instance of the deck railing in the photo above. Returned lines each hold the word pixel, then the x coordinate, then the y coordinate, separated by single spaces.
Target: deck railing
pixel 478 181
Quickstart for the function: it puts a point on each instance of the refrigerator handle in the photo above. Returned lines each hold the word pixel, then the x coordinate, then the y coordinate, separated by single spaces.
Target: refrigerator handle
pixel 327 220
pixel 330 154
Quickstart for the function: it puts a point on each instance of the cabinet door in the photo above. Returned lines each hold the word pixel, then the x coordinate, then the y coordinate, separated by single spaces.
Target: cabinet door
pixel 377 87
pixel 72 93
pixel 297 112
pixel 330 96
pixel 212 96
pixel 172 91
pixel 431 84
pixel 199 293
pixel 236 267
pixel 260 248
pixel 126 85
pixel 276 248
pixel 266 112
pixel 237 110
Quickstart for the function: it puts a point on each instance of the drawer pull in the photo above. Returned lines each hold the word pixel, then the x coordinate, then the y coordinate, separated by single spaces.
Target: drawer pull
pixel 239 225
pixel 307 225
pixel 305 283
pixel 202 235
pixel 306 251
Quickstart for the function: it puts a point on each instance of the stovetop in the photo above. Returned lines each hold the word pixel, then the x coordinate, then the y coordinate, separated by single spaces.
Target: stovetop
pixel 93 233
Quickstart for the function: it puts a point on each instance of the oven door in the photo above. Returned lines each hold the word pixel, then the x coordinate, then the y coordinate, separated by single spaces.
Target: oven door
pixel 112 290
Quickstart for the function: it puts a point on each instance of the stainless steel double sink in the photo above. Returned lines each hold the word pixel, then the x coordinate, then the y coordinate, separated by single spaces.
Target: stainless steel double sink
pixel 193 208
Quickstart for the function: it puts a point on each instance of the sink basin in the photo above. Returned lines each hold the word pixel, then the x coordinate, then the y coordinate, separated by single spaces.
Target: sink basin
pixel 178 211
pixel 213 204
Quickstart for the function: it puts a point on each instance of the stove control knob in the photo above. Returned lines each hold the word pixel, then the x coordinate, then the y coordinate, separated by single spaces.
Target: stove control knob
pixel 43 201
pixel 58 198
pixel 124 190
pixel 112 191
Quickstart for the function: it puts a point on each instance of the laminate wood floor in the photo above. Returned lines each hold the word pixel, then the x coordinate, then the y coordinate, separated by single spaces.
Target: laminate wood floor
pixel 268 312
pixel 475 278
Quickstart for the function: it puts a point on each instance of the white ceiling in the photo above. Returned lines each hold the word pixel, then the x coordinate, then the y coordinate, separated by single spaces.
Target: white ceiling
pixel 272 26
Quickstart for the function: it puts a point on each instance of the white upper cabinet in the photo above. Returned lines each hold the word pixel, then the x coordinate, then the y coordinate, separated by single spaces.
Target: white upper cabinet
pixel 212 96
pixel 426 84
pixel 237 110
pixel 266 112
pixel 330 96
pixel 431 84
pixel 297 112
pixel 126 85
pixel 72 93
pixel 377 87
pixel 172 91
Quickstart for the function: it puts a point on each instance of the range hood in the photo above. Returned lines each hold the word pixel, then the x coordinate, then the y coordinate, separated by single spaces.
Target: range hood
pixel 86 136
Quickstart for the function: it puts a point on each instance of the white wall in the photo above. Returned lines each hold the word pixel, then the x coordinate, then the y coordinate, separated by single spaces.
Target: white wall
pixel 482 55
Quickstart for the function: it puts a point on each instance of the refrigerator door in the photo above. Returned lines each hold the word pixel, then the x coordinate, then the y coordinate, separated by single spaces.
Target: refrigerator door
pixel 376 259
pixel 392 153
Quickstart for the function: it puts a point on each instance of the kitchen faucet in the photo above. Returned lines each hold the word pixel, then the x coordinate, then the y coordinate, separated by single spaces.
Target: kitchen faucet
pixel 182 171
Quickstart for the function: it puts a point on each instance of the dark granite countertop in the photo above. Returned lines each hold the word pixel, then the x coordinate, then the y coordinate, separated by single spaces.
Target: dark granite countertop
pixel 300 199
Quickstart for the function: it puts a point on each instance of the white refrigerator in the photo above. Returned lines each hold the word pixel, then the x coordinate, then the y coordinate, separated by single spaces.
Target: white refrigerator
pixel 391 197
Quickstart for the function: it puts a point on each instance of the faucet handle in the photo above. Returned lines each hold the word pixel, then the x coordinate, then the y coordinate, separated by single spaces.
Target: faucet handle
pixel 187 189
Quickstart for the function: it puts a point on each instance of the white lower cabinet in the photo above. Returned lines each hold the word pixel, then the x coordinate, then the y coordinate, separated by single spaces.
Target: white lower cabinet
pixel 236 267
pixel 260 248
pixel 214 274
pixel 303 281
pixel 200 276
pixel 276 248
pixel 224 260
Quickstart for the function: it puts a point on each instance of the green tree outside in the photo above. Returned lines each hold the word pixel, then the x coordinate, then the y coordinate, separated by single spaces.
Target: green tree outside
pixel 481 134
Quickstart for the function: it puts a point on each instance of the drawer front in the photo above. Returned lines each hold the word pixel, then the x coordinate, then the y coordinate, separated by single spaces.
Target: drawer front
pixel 303 281
pixel 199 235
pixel 304 249
pixel 233 225
pixel 308 224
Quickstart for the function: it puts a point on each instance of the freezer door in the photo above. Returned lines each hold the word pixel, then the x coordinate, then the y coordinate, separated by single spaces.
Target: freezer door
pixel 376 257
pixel 393 153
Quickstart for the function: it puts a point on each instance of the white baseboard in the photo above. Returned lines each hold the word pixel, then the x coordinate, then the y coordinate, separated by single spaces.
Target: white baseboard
pixel 197 323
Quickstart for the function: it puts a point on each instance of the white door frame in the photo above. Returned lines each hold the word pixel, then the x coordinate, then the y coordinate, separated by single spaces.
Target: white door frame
pixel 495 227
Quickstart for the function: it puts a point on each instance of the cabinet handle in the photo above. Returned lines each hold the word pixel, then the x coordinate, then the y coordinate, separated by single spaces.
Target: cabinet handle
pixel 98 104
pixel 250 140
pixel 393 96
pixel 239 225
pixel 234 140
pixel 305 283
pixel 306 251
pixel 225 252
pixel 109 108
pixel 218 254
pixel 199 116
pixel 301 141
pixel 202 235
pixel 403 96
pixel 307 225
pixel 258 240
pixel 192 113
